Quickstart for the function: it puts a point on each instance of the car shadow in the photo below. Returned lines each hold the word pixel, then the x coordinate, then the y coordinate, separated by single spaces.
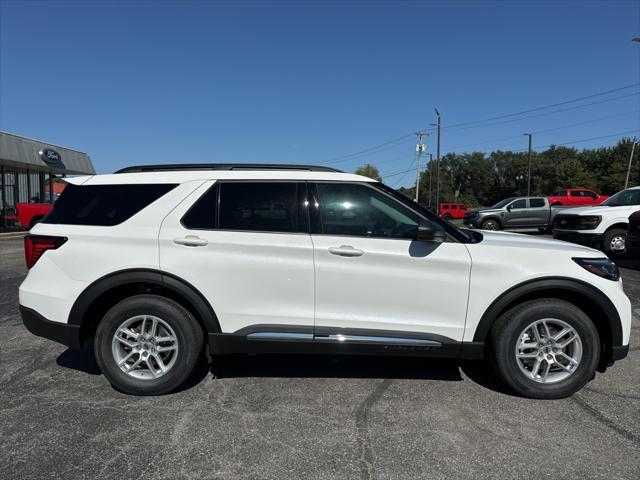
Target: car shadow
pixel 79 359
pixel 319 366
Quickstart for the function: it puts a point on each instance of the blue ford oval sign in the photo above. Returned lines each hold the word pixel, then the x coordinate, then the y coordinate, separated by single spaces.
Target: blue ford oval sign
pixel 50 156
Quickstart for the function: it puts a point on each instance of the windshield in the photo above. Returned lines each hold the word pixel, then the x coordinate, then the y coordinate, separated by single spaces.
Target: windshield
pixel 504 202
pixel 624 198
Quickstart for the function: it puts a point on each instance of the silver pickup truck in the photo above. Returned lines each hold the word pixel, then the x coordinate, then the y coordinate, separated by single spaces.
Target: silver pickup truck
pixel 514 212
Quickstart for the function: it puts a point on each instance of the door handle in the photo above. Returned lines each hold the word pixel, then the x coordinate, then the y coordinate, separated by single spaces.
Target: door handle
pixel 346 251
pixel 191 241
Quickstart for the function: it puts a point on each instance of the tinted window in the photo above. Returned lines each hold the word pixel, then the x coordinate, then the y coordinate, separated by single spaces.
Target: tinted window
pixel 347 209
pixel 561 193
pixel 576 193
pixel 536 202
pixel 522 203
pixel 202 215
pixel 103 205
pixel 261 207
pixel 587 193
pixel 625 198
pixel 454 207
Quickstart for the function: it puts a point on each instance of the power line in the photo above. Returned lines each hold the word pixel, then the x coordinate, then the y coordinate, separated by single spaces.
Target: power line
pixel 512 137
pixel 544 107
pixel 546 113
pixel 473 124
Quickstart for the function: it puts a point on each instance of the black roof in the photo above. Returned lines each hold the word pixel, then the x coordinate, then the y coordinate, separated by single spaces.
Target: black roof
pixel 172 167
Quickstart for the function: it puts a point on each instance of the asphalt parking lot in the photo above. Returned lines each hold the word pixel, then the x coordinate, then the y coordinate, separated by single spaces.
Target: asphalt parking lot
pixel 304 417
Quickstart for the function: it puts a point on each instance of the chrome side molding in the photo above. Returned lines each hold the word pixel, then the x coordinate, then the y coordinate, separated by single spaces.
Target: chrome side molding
pixel 339 338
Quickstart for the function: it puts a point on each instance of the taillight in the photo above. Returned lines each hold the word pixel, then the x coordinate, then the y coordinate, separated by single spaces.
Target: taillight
pixel 36 245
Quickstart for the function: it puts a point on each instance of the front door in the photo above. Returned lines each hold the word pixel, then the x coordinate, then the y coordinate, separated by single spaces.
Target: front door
pixel 373 279
pixel 245 246
pixel 517 214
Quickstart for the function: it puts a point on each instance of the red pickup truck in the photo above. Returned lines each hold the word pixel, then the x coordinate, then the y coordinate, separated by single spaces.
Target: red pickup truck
pixel 26 214
pixel 576 196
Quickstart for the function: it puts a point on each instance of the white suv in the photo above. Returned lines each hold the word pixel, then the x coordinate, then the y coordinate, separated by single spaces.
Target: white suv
pixel 601 226
pixel 158 266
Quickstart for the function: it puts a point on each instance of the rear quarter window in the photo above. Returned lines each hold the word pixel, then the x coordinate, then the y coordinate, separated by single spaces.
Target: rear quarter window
pixel 103 205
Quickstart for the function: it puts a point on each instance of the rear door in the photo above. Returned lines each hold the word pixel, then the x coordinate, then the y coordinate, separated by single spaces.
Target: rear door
pixel 245 246
pixel 538 212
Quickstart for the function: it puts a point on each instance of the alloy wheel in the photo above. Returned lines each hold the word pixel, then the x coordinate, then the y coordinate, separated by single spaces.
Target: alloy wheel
pixel 145 347
pixel 548 350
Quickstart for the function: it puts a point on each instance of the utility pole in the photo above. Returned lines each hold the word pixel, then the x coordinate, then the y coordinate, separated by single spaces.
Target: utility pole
pixel 633 148
pixel 430 175
pixel 419 151
pixel 529 165
pixel 438 164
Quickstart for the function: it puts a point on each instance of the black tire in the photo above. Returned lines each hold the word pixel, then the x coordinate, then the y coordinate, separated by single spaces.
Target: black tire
pixel 491 224
pixel 505 334
pixel 447 217
pixel 189 340
pixel 608 239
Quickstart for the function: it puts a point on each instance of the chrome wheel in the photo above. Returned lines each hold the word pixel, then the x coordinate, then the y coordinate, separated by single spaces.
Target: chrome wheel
pixel 618 244
pixel 548 351
pixel 145 347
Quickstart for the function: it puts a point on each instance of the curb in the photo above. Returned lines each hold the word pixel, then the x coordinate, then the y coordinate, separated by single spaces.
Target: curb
pixel 12 234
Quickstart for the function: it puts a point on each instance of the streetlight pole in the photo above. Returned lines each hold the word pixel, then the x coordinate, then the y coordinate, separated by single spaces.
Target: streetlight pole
pixel 529 166
pixel 633 147
pixel 438 164
pixel 430 175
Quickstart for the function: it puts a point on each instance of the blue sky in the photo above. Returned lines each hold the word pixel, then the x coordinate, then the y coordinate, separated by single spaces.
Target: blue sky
pixel 306 82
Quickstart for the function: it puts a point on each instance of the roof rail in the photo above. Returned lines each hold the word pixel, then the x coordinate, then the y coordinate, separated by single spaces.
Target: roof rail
pixel 173 167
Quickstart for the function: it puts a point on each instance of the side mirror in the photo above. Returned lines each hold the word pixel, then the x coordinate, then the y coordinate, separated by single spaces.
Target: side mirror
pixel 509 207
pixel 427 233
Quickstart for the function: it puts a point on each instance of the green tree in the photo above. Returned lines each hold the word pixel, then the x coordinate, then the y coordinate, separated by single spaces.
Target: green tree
pixel 370 171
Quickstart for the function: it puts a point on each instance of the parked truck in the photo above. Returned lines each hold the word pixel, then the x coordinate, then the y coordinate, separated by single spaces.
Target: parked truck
pixel 514 212
pixel 25 215
pixel 576 196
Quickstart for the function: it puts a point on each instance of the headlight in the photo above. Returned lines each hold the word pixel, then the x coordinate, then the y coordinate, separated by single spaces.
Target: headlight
pixel 603 267
pixel 589 222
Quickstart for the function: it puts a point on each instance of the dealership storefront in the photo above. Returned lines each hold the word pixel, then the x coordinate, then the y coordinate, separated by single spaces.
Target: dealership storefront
pixel 30 173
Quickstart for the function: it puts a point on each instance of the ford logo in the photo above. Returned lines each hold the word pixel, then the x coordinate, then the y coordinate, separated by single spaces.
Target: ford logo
pixel 50 156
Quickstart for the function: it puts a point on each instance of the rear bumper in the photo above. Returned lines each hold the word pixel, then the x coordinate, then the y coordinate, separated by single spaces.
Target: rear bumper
pixel 63 333
pixel 593 240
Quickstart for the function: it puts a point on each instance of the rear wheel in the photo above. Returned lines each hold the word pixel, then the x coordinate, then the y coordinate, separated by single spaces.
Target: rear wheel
pixel 545 348
pixel 148 345
pixel 490 224
pixel 614 242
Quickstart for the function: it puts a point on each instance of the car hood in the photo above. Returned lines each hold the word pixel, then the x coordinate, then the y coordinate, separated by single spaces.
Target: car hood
pixel 531 242
pixel 596 210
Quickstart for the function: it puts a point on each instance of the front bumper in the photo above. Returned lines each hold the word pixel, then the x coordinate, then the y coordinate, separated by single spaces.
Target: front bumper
pixel 63 333
pixel 473 222
pixel 593 240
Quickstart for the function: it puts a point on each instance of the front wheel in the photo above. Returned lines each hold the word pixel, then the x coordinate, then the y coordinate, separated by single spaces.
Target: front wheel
pixel 490 224
pixel 545 348
pixel 614 242
pixel 148 345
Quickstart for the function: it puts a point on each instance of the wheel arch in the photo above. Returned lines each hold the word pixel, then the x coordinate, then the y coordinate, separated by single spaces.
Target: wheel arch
pixel 620 225
pixel 586 297
pixel 97 298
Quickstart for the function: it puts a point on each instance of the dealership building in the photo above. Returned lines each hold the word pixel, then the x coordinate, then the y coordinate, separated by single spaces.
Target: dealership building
pixel 30 172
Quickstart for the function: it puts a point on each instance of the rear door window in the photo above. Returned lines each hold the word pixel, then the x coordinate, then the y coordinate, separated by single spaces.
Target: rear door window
pixel 536 202
pixel 103 205
pixel 260 207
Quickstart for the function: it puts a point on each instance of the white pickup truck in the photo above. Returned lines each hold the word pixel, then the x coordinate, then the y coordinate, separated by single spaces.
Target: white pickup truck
pixel 602 226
